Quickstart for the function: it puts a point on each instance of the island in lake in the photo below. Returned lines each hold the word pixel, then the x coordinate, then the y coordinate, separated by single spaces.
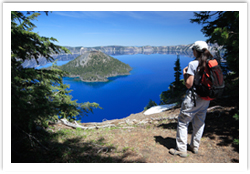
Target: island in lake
pixel 95 66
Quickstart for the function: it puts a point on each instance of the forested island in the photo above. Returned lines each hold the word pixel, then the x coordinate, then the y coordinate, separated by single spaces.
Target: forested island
pixel 95 66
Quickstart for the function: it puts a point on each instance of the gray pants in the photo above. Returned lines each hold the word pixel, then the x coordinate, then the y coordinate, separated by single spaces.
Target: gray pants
pixel 190 113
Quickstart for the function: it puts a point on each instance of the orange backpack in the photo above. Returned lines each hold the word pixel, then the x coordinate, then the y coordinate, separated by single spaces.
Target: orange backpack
pixel 212 84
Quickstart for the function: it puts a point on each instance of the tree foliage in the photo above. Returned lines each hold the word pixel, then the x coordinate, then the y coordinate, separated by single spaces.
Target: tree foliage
pixel 150 104
pixel 224 30
pixel 177 83
pixel 222 27
pixel 38 95
pixel 176 89
pixel 99 66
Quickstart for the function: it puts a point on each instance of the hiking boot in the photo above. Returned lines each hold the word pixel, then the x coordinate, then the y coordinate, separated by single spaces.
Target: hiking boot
pixel 177 152
pixel 192 149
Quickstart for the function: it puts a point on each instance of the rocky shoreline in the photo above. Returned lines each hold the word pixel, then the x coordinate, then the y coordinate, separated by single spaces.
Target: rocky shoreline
pixel 105 79
pixel 138 119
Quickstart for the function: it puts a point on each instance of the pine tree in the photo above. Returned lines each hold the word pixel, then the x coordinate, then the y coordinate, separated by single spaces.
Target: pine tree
pixel 177 83
pixel 223 30
pixel 176 89
pixel 37 95
pixel 150 104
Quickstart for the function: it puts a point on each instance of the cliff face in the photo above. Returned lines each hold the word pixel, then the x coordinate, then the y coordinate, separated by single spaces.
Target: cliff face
pixel 93 66
pixel 122 50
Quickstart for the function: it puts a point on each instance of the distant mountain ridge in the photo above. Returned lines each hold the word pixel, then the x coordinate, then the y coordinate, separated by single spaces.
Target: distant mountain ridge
pixel 116 49
pixel 95 66
pixel 122 50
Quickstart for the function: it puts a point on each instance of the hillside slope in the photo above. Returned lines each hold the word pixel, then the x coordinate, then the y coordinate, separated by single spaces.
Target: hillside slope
pixel 135 139
pixel 94 66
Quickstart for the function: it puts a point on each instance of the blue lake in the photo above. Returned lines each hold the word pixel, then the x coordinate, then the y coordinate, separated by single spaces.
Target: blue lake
pixel 125 95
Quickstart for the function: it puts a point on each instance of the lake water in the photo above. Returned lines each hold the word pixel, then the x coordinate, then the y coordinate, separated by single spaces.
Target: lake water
pixel 125 95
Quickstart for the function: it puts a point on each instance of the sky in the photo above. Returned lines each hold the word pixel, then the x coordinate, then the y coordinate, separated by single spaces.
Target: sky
pixel 123 28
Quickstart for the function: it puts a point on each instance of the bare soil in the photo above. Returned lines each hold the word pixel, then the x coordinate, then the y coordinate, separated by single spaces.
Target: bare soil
pixel 150 141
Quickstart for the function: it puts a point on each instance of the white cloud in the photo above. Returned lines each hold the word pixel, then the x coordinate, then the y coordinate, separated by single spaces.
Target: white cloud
pixel 68 14
pixel 178 15
pixel 132 14
pixel 83 14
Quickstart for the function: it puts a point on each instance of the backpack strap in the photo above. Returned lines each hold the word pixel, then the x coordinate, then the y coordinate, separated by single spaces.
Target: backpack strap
pixel 192 90
pixel 193 96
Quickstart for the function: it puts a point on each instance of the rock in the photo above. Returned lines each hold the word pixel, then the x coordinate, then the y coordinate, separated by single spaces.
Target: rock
pixel 131 122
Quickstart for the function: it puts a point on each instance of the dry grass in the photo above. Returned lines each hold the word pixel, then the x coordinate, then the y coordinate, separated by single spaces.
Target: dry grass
pixel 141 143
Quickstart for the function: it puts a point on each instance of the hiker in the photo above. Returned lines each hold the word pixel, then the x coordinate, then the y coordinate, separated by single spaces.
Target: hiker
pixel 193 107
